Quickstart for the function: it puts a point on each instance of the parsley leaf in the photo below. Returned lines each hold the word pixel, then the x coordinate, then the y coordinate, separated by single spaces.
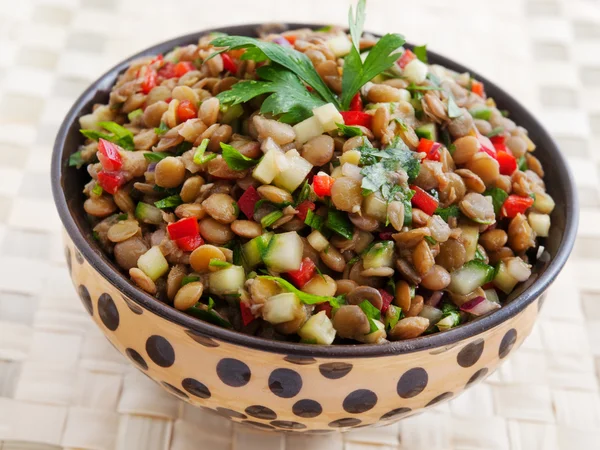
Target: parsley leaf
pixel 75 160
pixel 498 197
pixel 155 156
pixel 304 297
pixel 296 62
pixel 161 129
pixel 349 131
pixel 337 221
pixel 289 97
pixel 169 202
pixel 446 213
pixel 521 164
pixel 119 135
pixel 235 160
pixel 421 53
pixel 199 157
pixel 372 314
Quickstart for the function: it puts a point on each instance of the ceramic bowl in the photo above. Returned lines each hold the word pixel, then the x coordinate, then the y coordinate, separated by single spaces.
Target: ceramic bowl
pixel 297 387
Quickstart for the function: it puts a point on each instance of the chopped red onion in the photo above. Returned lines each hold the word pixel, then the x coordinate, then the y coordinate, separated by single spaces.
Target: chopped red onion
pixel 151 167
pixel 479 306
pixel 282 41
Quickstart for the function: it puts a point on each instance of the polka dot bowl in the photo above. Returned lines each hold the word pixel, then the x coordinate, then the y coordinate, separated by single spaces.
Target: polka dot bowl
pixel 296 387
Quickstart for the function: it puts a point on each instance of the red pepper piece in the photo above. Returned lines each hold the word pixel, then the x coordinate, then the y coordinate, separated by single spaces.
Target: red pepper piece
pixel 359 118
pixel 303 209
pixel 303 275
pixel 167 71
pixel 356 104
pixel 110 181
pixel 248 200
pixel 190 243
pixel 322 184
pixel 247 316
pixel 424 201
pixel 149 81
pixel 499 143
pixel 183 67
pixel 406 57
pixel 477 88
pixel 109 156
pixel 507 162
pixel 515 204
pixel 228 64
pixel 291 38
pixel 387 300
pixel 324 307
pixel 431 148
pixel 186 110
pixel 183 228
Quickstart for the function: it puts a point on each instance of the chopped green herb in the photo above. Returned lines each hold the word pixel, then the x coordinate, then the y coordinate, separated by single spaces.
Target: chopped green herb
pixel 495 132
pixel 95 235
pixel 314 220
pixel 338 222
pixel 446 213
pixel 75 160
pixel 119 135
pixel 421 52
pixel 430 240
pixel 97 190
pixel 481 113
pixel 371 312
pixel 235 160
pixel 401 123
pixel 208 316
pixel 183 147
pixel 169 202
pixel 498 198
pixel 413 87
pixel 303 194
pixel 504 112
pixel 271 218
pixel 211 303
pixel 189 279
pixel 522 164
pixel 135 114
pixel 304 297
pixel 479 256
pixel 199 157
pixel 155 156
pixel 349 131
pixel 215 262
pixel 325 29
pixel 161 129
pixel 392 316
pixel 320 273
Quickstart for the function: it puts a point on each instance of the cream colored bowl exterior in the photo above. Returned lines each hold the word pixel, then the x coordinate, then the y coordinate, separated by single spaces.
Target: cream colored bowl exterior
pixel 275 391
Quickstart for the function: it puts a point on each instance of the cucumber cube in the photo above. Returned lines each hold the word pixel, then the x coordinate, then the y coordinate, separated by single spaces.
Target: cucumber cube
pixel 281 308
pixel 318 329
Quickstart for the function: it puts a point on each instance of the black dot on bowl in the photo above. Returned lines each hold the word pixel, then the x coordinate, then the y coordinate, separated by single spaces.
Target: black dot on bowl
pixel 307 408
pixel 264 426
pixel 68 260
pixel 300 360
pixel 335 370
pixel 230 413
pixel 470 353
pixel 202 339
pixel 507 343
pixel 412 382
pixel 160 351
pixel 261 412
pixel 285 383
pixel 345 422
pixel 136 358
pixel 79 256
pixel 134 307
pixel 108 312
pixel 440 398
pixel 196 388
pixel 288 425
pixel 477 376
pixel 233 372
pixel 359 401
pixel 84 295
pixel 395 413
pixel 173 390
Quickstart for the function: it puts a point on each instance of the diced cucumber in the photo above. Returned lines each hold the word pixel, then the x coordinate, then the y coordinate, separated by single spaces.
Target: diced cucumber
pixel 481 112
pixel 431 313
pixel 415 71
pixel 540 223
pixel 153 263
pixel 375 206
pixel 227 281
pixel 543 203
pixel 351 156
pixel 296 173
pixel 492 295
pixel 470 276
pixel 267 169
pixel 318 329
pixel 428 131
pixel 255 249
pixel 148 213
pixel 308 129
pixel 380 255
pixel 328 115
pixel 504 280
pixel 281 308
pixel 284 252
pixel 469 238
pixel 317 241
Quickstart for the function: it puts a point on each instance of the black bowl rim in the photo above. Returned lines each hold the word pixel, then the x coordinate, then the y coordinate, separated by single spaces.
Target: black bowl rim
pixel 99 262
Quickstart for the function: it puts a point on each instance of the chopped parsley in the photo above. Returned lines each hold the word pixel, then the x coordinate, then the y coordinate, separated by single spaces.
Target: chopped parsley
pixel 235 160
pixel 349 131
pixel 199 157
pixel 155 156
pixel 498 198
pixel 118 135
pixel 169 202
pixel 161 129
pixel 420 52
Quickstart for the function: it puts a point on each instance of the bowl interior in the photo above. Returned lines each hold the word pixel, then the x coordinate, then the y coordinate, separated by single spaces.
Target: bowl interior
pixel 68 182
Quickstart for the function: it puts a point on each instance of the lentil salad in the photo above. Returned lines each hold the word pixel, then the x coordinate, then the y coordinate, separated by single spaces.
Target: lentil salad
pixel 293 188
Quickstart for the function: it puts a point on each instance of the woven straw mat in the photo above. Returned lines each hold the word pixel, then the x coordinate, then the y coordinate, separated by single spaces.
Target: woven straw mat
pixel 63 386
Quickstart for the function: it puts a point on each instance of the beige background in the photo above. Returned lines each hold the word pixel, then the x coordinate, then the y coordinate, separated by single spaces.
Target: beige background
pixel 63 386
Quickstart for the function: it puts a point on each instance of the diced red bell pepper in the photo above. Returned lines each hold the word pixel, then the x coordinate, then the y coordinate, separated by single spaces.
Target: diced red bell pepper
pixel 303 209
pixel 486 145
pixel 499 143
pixel 109 156
pixel 166 71
pixel 158 59
pixel 149 81
pixel 228 64
pixel 248 200
pixel 477 88
pixel 183 67
pixel 303 275
pixel 431 148
pixel 110 181
pixel 247 316
pixel 356 104
pixel 190 243
pixel 291 38
pixel 387 300
pixel 326 306
pixel 424 201
pixel 186 110
pixel 507 162
pixel 183 228
pixel 406 57
pixel 359 118
pixel 515 204
pixel 322 184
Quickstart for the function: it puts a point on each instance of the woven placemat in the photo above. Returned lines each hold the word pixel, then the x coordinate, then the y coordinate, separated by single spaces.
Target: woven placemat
pixel 62 386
